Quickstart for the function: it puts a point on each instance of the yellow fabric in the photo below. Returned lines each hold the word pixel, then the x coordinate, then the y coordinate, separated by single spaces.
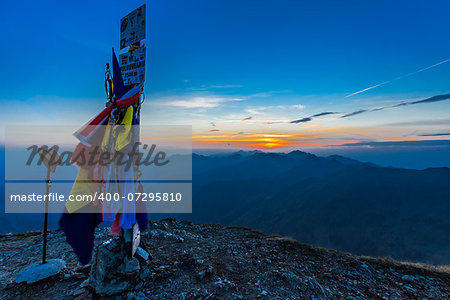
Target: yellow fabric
pixel 83 186
pixel 106 137
pixel 122 132
pixel 122 135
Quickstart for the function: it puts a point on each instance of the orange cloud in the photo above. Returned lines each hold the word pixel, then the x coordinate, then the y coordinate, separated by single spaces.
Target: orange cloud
pixel 309 137
pixel 257 140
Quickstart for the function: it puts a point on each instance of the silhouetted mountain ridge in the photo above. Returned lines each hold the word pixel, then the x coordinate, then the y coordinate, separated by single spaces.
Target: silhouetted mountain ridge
pixel 333 202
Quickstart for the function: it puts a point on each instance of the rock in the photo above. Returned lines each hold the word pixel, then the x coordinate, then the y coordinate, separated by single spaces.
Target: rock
pixel 190 263
pixel 112 271
pixel 131 266
pixel 37 271
pixel 141 296
pixel 162 234
pixel 142 254
pixel 144 274
pixel 74 276
pixel 131 296
pixel 78 291
pixel 139 286
pixel 205 273
pixel 81 296
pixel 408 278
pixel 85 283
pixel 84 269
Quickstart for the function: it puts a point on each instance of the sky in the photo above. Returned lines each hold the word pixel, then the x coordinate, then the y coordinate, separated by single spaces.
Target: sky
pixel 269 75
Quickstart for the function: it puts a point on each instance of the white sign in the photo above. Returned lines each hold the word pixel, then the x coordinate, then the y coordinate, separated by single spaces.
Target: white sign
pixel 136 239
pixel 132 27
pixel 132 66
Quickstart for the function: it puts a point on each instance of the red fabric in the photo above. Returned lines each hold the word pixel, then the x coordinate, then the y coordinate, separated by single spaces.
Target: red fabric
pixel 87 129
pixel 115 226
pixel 76 155
pixel 87 132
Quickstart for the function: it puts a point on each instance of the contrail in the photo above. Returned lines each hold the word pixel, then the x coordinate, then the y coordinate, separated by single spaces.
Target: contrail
pixel 400 77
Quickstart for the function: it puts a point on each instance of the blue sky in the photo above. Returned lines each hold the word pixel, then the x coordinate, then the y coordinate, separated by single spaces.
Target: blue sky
pixel 238 71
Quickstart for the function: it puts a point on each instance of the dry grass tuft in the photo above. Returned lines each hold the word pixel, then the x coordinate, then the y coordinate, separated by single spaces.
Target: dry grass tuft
pixel 257 231
pixel 239 227
pixel 412 265
pixel 212 225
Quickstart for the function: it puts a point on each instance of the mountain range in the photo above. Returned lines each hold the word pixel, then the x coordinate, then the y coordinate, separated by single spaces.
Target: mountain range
pixel 333 202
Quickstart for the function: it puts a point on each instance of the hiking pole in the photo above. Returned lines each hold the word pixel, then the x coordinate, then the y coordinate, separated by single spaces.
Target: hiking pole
pixel 51 159
pixel 44 252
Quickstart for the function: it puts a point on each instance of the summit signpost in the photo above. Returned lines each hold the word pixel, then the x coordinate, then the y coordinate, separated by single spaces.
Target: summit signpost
pixel 132 66
pixel 132 27
pixel 132 62
pixel 132 69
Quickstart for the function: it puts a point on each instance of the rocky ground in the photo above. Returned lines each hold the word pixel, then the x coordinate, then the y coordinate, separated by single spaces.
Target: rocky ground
pixel 212 261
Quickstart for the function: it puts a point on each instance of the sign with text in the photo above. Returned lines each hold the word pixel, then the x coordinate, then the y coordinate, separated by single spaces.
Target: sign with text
pixel 132 27
pixel 132 66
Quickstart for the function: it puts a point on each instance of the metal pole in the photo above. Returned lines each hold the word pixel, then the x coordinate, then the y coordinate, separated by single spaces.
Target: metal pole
pixel 44 253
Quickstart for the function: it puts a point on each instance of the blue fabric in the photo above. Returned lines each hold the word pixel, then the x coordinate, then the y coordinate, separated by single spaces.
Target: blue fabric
pixel 121 182
pixel 141 217
pixel 126 187
pixel 79 228
pixel 131 91
pixel 118 86
pixel 110 208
